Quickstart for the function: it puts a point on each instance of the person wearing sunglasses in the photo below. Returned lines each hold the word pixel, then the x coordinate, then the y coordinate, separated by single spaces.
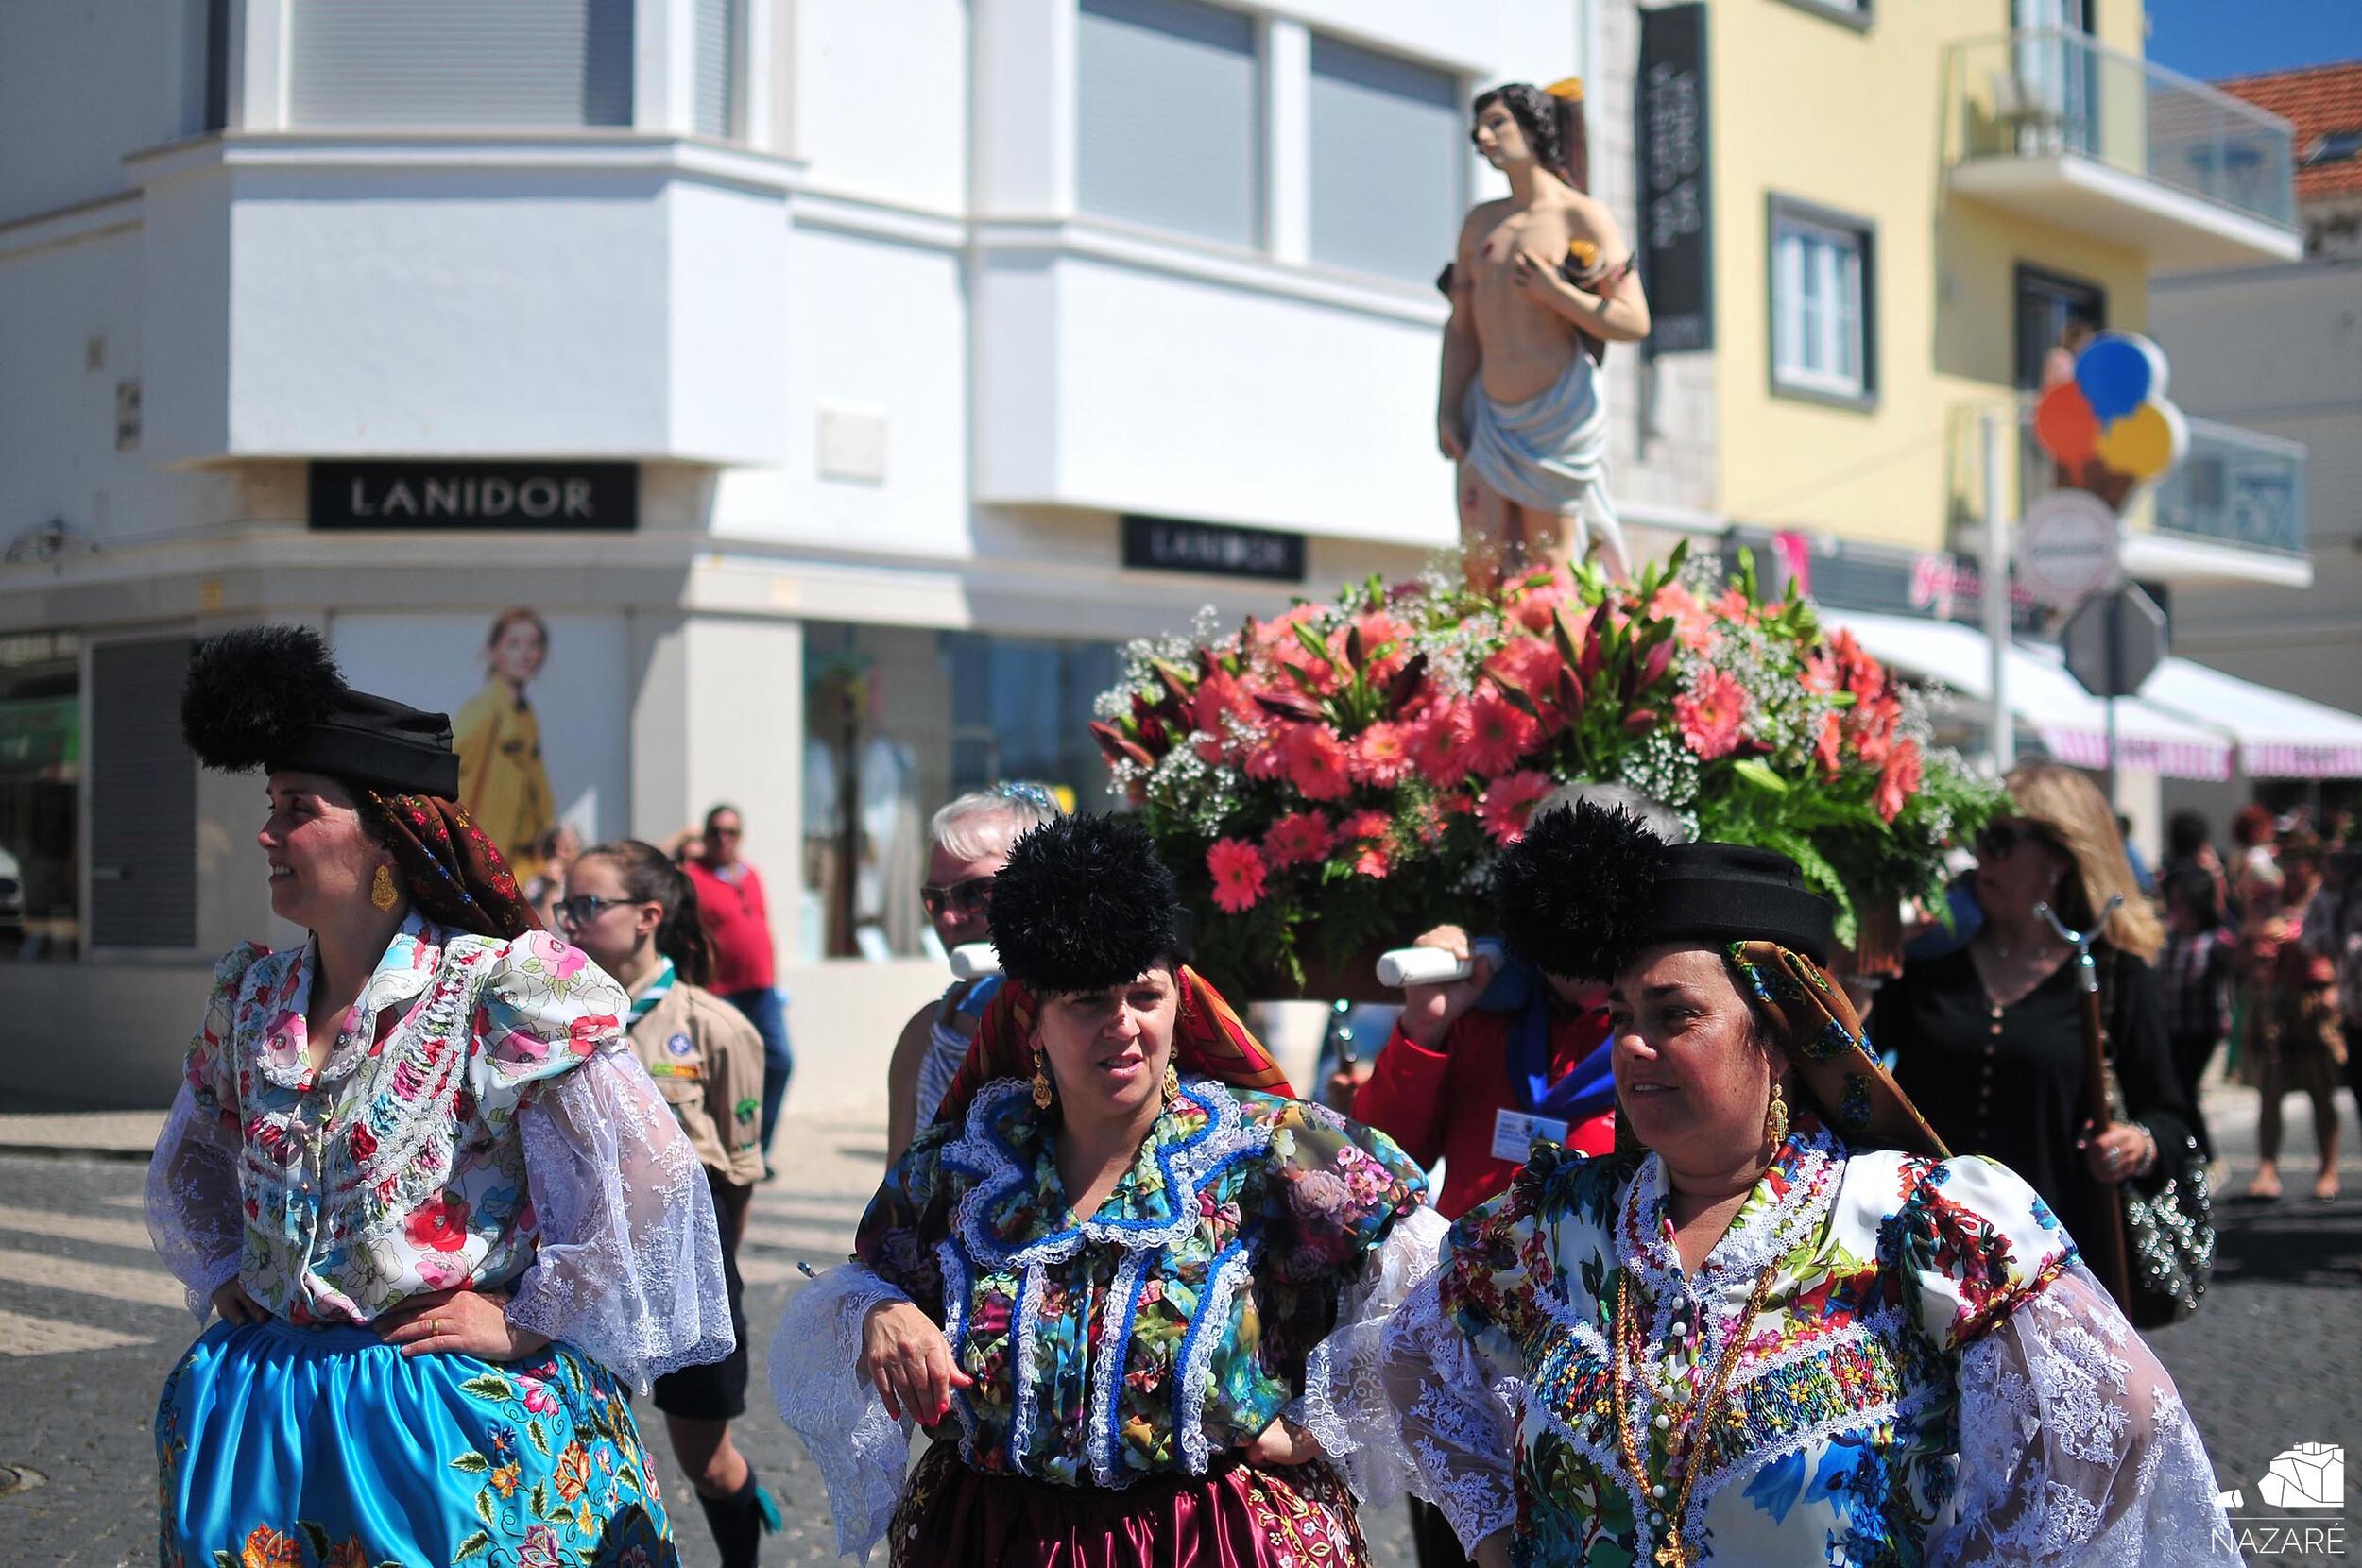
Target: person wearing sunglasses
pixel 1990 1039
pixel 967 843
pixel 635 913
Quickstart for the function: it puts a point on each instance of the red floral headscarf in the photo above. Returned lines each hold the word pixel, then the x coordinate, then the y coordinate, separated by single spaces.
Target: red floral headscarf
pixel 1208 1041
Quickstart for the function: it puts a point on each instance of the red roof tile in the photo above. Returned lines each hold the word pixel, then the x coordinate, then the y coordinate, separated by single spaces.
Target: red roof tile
pixel 2321 101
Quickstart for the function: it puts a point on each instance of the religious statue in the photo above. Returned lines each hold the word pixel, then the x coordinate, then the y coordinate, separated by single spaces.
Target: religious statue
pixel 1540 285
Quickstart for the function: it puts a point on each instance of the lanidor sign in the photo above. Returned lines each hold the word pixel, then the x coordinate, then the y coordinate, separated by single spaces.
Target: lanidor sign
pixel 522 496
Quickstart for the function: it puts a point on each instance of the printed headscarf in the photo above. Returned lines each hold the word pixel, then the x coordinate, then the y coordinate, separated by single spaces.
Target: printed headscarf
pixel 454 874
pixel 1208 1041
pixel 1823 1040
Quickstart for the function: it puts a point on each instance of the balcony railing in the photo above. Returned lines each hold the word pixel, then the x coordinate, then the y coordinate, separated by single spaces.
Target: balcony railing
pixel 2047 92
pixel 2238 488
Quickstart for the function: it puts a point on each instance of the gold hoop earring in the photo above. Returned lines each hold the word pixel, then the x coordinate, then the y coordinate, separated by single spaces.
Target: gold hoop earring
pixel 1041 1080
pixel 1776 1120
pixel 382 892
pixel 1173 1085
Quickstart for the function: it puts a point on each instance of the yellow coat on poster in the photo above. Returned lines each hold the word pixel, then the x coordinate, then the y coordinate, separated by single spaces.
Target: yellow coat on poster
pixel 502 780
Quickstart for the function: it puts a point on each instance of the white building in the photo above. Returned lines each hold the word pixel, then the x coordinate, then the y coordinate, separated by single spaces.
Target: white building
pixel 798 362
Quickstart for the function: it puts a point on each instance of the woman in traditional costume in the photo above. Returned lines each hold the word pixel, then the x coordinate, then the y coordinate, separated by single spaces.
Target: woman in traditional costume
pixel 1784 1328
pixel 1103 1278
pixel 442 1212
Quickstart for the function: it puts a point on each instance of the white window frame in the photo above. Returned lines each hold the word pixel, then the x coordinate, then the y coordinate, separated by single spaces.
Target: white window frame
pixel 1816 329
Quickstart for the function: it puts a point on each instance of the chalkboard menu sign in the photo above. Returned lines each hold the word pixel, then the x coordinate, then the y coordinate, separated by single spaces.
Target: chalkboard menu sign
pixel 1676 200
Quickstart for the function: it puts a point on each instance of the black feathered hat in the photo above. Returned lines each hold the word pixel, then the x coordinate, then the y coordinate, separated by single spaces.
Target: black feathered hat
pixel 1588 886
pixel 1083 904
pixel 271 698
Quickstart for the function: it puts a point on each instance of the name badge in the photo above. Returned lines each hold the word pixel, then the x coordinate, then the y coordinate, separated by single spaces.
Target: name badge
pixel 1515 1133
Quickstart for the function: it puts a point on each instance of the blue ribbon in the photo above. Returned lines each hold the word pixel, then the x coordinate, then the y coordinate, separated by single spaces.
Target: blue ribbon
pixel 1582 1094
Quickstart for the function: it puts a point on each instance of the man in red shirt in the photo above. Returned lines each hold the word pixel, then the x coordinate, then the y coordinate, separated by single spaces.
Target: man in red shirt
pixel 736 922
pixel 1458 1082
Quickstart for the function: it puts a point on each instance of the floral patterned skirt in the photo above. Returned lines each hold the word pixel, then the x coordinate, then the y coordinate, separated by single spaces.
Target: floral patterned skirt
pixel 1235 1517
pixel 285 1447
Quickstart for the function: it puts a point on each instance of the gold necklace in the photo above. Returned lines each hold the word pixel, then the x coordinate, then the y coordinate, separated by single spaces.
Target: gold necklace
pixel 1690 1440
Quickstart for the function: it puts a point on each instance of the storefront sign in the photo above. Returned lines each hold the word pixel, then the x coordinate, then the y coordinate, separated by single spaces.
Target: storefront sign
pixel 1164 544
pixel 1676 212
pixel 522 496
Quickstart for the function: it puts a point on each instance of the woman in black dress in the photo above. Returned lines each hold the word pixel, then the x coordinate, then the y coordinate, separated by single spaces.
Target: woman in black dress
pixel 1989 1040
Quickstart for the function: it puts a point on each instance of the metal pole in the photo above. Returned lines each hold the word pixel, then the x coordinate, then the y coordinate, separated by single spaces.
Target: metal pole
pixel 2115 684
pixel 2001 733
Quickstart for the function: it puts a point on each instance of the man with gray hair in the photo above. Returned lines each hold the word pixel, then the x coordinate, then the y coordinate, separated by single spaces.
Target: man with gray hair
pixel 968 842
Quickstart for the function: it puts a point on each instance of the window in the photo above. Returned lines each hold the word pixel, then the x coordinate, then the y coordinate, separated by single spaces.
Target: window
pixel 1821 341
pixel 142 817
pixel 1388 161
pixel 40 792
pixel 896 722
pixel 1168 118
pixel 463 64
pixel 720 26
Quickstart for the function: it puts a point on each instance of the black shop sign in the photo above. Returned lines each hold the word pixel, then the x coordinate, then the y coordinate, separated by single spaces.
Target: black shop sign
pixel 505 496
pixel 1676 197
pixel 1219 549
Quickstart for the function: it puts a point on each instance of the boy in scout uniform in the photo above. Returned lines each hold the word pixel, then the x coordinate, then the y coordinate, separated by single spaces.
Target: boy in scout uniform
pixel 635 913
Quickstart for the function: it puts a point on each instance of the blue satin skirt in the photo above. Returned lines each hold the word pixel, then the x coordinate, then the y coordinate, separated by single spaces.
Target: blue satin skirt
pixel 286 1447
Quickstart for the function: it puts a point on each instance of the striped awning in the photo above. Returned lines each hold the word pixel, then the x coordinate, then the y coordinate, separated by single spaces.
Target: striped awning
pixel 2280 734
pixel 2071 723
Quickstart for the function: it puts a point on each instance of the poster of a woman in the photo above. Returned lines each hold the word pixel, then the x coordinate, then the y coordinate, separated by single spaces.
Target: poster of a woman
pixel 502 780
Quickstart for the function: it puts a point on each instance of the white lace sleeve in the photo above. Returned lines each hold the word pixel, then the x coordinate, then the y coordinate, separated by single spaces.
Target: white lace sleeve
pixel 1456 1409
pixel 629 1267
pixel 2075 1447
pixel 193 1212
pixel 1345 1404
pixel 862 1453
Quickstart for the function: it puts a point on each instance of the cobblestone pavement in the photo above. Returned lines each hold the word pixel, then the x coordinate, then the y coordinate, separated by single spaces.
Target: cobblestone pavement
pixel 89 1324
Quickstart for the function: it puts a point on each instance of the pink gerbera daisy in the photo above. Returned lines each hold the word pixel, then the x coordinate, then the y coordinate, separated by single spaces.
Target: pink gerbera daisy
pixel 1238 871
pixel 1498 735
pixel 1314 762
pixel 1382 754
pixel 1711 714
pixel 1438 745
pixel 1299 837
pixel 1509 800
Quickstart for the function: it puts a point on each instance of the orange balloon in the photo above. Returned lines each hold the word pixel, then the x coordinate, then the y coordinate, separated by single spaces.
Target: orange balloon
pixel 2065 426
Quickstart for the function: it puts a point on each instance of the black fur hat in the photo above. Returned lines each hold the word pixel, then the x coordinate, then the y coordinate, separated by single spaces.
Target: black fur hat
pixel 1084 903
pixel 272 697
pixel 1588 887
pixel 1566 893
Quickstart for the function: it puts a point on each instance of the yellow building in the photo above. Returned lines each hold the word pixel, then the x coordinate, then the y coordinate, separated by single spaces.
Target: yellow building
pixel 1909 198
pixel 1906 202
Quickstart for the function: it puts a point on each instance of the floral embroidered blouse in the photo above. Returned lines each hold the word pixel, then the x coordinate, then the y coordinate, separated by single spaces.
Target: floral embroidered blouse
pixel 1173 1323
pixel 480 1122
pixel 1931 1378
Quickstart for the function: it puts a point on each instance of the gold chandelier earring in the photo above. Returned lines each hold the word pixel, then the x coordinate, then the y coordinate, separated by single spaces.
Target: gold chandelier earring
pixel 1041 1080
pixel 1173 1084
pixel 382 892
pixel 1775 1119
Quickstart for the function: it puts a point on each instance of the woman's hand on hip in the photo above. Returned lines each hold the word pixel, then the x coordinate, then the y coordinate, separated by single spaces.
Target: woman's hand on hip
pixel 236 1307
pixel 906 1356
pixel 467 1322
pixel 1281 1445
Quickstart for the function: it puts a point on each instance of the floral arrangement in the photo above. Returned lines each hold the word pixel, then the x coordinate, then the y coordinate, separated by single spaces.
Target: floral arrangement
pixel 1348 771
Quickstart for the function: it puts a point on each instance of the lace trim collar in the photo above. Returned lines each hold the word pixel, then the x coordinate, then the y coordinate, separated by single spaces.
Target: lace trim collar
pixel 282 1054
pixel 1016 1213
pixel 1790 1197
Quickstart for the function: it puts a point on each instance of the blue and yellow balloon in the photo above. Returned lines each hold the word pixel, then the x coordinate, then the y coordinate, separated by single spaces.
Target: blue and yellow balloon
pixel 2114 412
